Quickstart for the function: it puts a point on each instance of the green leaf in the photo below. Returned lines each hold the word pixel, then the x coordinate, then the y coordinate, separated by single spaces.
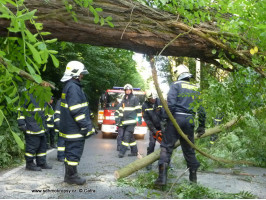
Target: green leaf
pixel 214 51
pixel 55 61
pixel 11 2
pixel 51 41
pixel 1 117
pixel 30 36
pixel 52 51
pixel 45 33
pixel 18 140
pixel 37 78
pixel 28 15
pixel 35 53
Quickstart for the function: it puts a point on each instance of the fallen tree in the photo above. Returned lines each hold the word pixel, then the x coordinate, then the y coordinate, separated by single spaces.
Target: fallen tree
pixel 138 28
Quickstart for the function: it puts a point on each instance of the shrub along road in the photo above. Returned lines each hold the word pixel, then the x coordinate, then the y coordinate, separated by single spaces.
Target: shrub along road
pixel 98 163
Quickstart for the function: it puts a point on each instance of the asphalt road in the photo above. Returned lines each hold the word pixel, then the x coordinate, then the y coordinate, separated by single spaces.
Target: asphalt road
pixel 98 164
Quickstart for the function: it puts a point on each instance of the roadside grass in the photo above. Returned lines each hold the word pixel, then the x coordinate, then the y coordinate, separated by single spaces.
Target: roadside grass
pixel 145 188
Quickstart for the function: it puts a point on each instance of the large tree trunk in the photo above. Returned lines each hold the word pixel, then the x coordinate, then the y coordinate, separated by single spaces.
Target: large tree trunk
pixel 137 27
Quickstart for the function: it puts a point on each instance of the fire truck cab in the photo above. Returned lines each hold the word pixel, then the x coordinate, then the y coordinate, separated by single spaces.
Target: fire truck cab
pixel 107 107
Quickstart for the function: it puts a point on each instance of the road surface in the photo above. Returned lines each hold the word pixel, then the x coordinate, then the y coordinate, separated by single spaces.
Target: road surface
pixel 98 163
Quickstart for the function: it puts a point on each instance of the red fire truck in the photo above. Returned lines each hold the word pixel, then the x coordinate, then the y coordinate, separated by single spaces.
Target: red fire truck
pixel 107 107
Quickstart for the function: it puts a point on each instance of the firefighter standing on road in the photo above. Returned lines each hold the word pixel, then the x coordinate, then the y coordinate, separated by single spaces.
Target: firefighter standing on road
pixel 152 114
pixel 50 133
pixel 128 114
pixel 34 135
pixel 75 122
pixel 181 94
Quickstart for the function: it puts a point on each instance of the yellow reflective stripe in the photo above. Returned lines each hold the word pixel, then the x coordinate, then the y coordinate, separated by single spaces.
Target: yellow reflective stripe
pixel 120 108
pixel 129 108
pixel 21 117
pixel 120 114
pixel 58 112
pixel 218 120
pixel 56 130
pixel 57 119
pixel 139 115
pixel 64 105
pixel 160 106
pixel 91 132
pixel 78 106
pixel 133 143
pixel 129 121
pixel 211 142
pixel 137 107
pixel 125 144
pixel 61 148
pixel 41 154
pixel 190 87
pixel 29 154
pixel 70 136
pixel 116 116
pixel 50 125
pixel 148 109
pixel 71 162
pixel 80 117
pixel 39 132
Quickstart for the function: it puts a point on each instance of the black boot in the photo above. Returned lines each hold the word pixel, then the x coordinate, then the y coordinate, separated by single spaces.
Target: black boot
pixel 162 179
pixel 71 175
pixel 193 175
pixel 45 166
pixel 133 154
pixel 32 167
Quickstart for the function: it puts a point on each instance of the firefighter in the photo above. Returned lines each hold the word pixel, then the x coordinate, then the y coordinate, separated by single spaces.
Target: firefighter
pixel 181 94
pixel 128 114
pixel 34 135
pixel 50 132
pixel 75 123
pixel 60 141
pixel 152 114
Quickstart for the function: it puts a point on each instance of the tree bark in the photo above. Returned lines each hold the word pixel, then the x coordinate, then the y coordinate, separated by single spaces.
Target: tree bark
pixel 136 27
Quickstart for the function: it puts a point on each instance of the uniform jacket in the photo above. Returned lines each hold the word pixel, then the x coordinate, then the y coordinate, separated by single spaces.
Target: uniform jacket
pixel 129 111
pixel 180 97
pixel 152 114
pixel 28 120
pixel 75 122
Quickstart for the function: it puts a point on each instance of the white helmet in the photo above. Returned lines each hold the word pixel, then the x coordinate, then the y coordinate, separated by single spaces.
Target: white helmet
pixel 150 95
pixel 182 72
pixel 128 87
pixel 74 69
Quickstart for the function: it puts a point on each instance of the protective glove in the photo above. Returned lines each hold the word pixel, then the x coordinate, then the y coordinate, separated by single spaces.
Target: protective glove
pixel 200 131
pixel 22 128
pixel 84 131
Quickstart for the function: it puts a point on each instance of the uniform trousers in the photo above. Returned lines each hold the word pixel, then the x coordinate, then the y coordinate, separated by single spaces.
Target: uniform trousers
pixel 152 142
pixel 73 151
pixel 35 148
pixel 61 148
pixel 129 139
pixel 171 136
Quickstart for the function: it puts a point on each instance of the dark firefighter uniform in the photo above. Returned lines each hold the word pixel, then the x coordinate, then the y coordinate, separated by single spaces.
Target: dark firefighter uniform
pixel 152 114
pixel 60 141
pixel 50 132
pixel 34 134
pixel 180 95
pixel 75 122
pixel 126 116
